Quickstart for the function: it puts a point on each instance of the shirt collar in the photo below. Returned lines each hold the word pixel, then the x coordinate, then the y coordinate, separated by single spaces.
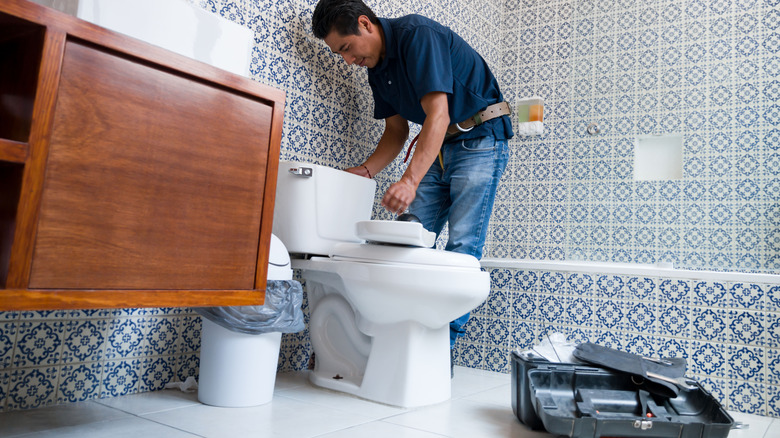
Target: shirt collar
pixel 387 29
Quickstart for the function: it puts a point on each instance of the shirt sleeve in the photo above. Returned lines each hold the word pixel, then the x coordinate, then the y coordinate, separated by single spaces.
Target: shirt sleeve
pixel 428 62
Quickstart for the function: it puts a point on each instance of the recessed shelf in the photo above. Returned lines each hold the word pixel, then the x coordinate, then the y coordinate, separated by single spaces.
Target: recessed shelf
pixel 658 157
pixel 10 185
pixel 21 43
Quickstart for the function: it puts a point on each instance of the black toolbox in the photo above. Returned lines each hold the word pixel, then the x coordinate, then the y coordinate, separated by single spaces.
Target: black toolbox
pixel 583 401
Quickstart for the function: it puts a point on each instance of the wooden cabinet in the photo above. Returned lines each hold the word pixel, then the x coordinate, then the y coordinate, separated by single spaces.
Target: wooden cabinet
pixel 129 176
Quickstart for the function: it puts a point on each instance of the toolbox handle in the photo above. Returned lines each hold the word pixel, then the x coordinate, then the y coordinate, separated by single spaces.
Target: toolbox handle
pixel 648 408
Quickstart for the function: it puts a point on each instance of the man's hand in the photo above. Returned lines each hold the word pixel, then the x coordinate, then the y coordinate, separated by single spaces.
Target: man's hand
pixel 399 195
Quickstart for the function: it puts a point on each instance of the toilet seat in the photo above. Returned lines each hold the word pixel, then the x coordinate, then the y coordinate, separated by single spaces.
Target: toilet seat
pixel 401 255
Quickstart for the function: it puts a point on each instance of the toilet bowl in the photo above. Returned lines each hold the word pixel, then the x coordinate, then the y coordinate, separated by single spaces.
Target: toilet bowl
pixel 380 313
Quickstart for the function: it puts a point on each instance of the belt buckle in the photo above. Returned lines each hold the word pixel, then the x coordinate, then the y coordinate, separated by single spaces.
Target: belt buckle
pixel 457 125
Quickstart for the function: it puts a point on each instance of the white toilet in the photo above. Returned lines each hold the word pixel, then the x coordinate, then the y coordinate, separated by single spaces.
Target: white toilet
pixel 380 312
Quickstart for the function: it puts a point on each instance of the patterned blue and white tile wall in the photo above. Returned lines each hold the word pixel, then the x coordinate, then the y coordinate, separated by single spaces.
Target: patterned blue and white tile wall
pixel 708 71
pixel 74 355
pixel 729 332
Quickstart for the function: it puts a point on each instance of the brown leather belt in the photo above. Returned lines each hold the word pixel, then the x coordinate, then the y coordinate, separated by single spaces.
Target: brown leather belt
pixel 491 112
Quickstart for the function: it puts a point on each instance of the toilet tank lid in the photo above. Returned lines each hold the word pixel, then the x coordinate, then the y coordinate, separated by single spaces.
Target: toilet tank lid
pixel 371 253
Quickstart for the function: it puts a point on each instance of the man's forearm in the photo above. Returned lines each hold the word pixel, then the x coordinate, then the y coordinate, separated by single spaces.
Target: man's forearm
pixel 390 144
pixel 431 137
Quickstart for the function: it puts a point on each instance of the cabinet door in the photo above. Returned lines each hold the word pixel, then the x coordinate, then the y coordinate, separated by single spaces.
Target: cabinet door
pixel 154 179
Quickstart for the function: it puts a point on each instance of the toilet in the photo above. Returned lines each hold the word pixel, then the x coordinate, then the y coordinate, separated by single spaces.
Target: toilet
pixel 381 299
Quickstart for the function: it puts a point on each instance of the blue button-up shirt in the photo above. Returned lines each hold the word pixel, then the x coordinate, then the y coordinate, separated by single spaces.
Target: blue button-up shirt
pixel 422 56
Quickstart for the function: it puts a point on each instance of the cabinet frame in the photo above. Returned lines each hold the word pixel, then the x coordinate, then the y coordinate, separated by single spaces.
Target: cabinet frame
pixel 16 265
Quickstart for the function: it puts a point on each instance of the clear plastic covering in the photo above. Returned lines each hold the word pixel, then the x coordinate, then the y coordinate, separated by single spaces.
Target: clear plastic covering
pixel 281 311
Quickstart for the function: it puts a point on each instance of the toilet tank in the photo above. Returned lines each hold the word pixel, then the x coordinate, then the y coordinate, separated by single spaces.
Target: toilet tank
pixel 317 207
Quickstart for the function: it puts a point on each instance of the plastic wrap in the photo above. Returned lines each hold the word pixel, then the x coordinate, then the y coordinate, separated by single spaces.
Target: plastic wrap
pixel 281 311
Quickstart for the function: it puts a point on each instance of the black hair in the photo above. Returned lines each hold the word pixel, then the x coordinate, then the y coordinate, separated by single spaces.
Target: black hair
pixel 340 16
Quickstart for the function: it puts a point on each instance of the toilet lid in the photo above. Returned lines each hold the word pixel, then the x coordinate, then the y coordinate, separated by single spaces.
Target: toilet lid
pixel 372 253
pixel 395 232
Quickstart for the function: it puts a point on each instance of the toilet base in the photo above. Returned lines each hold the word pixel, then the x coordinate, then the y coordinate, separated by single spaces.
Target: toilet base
pixel 409 366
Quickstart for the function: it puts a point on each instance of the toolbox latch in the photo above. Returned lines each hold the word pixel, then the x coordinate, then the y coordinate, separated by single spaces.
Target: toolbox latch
pixel 643 424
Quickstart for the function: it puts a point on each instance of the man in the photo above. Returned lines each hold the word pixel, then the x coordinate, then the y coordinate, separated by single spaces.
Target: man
pixel 421 71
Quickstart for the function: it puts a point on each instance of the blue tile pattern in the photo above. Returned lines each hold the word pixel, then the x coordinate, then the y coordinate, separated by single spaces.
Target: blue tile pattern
pixel 731 349
pixel 707 73
pixel 70 356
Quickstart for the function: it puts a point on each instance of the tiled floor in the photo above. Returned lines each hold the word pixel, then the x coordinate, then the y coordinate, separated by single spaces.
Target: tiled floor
pixel 480 407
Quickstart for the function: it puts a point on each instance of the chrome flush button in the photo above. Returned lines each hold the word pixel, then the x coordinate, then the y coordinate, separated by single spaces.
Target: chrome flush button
pixel 301 171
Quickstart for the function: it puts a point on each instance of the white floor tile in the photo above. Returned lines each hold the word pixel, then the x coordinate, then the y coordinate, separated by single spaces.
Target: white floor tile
pixel 757 426
pixel 501 395
pixel 150 402
pixel 481 407
pixel 132 427
pixel 774 429
pixel 283 417
pixel 381 429
pixel 17 423
pixel 340 401
pixel 468 381
pixel 467 419
pixel 292 379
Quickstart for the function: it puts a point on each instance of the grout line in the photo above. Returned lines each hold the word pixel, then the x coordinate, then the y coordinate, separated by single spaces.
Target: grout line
pixel 171 427
pixel 142 416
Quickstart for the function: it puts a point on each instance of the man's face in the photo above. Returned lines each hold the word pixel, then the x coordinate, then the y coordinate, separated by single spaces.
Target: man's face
pixel 364 50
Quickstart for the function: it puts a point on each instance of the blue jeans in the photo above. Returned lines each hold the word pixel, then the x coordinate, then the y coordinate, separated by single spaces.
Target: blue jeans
pixel 462 193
